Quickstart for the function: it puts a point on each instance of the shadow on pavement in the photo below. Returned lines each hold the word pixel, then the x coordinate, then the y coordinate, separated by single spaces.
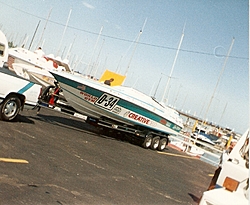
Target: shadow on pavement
pixel 70 123
pixel 195 198
pixel 22 119
pixel 82 126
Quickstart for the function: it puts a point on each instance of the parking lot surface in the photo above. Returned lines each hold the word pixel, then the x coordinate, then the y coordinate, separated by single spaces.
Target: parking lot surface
pixel 51 158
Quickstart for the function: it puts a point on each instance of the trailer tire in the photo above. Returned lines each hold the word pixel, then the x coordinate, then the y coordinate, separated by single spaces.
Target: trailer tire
pixel 10 108
pixel 155 143
pixel 147 141
pixel 162 144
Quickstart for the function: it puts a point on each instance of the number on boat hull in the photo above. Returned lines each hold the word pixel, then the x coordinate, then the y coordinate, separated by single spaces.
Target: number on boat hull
pixel 107 101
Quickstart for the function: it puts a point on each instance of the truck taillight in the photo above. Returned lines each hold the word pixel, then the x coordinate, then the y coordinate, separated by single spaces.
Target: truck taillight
pixel 230 184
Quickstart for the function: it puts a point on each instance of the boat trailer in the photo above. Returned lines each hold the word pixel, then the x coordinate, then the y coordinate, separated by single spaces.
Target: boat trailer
pixel 155 140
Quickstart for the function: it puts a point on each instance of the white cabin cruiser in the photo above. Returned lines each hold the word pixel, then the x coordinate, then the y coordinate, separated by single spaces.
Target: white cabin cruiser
pixel 36 65
pixel 3 49
pixel 16 93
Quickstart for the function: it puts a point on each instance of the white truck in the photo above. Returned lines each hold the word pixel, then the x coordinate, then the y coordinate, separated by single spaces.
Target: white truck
pixel 16 92
pixel 3 49
pixel 232 186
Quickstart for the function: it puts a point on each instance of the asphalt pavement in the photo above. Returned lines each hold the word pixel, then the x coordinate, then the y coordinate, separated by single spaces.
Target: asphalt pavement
pixel 51 158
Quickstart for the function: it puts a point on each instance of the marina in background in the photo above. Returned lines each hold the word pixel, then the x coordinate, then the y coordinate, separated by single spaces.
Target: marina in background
pixel 124 109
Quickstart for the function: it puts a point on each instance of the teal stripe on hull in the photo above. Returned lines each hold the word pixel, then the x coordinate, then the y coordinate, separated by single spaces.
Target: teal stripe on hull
pixel 122 103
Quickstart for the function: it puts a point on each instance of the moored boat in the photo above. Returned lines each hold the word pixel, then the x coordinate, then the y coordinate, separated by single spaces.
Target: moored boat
pixel 202 137
pixel 187 147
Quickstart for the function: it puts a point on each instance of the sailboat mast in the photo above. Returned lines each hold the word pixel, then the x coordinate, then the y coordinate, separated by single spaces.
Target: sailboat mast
pixel 91 59
pixel 172 69
pixel 136 43
pixel 34 34
pixel 97 64
pixel 39 42
pixel 70 48
pixel 59 48
pixel 221 73
pixel 118 66
pixel 224 110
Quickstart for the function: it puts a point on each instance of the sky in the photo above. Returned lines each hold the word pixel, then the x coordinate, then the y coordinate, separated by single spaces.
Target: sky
pixel 206 77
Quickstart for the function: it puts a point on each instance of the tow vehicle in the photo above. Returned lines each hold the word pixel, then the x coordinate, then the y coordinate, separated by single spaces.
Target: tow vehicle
pixel 232 186
pixel 16 92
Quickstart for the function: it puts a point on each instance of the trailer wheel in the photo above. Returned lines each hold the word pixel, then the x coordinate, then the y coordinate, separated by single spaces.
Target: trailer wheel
pixel 147 141
pixel 155 143
pixel 162 144
pixel 10 108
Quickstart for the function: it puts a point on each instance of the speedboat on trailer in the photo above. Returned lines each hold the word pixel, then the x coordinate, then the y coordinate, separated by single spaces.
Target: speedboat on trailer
pixel 122 105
